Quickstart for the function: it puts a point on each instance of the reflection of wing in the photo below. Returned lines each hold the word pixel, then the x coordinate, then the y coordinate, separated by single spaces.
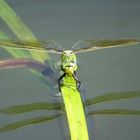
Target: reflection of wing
pixel 31 121
pixel 45 46
pixel 93 45
pixel 114 112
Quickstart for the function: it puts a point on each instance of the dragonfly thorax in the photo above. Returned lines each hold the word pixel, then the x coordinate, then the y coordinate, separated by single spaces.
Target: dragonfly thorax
pixel 68 62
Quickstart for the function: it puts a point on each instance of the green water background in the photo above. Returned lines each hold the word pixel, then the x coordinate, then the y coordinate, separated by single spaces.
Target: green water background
pixel 113 70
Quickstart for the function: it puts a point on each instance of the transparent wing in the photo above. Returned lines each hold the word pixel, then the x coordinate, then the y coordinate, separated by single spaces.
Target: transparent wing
pixel 45 46
pixel 93 45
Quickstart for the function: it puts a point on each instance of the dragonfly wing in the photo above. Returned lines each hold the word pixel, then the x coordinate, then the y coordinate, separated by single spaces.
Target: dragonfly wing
pixel 45 46
pixel 93 45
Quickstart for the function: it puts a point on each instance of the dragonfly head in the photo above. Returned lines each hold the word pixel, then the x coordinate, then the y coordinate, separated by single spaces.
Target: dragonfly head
pixel 68 61
pixel 68 53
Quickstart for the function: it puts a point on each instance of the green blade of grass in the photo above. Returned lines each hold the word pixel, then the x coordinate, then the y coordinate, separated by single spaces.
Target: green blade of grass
pixel 14 22
pixel 20 30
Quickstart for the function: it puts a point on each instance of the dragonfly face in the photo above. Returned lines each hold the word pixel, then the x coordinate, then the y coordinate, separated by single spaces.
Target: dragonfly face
pixel 68 62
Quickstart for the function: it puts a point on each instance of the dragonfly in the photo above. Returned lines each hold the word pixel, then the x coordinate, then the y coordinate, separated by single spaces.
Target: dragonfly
pixel 68 83
pixel 68 61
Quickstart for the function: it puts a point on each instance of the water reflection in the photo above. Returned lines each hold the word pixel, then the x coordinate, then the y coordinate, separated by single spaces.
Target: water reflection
pixel 25 108
pixel 32 121
pixel 18 109
pixel 112 97
pixel 59 107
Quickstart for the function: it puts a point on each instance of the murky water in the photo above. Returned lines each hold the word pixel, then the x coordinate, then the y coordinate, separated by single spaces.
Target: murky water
pixel 102 72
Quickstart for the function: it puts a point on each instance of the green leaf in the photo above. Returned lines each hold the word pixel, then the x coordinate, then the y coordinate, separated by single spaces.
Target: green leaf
pixel 20 29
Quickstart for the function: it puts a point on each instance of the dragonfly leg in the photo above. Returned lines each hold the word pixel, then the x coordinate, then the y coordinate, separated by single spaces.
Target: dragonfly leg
pixel 77 80
pixel 59 81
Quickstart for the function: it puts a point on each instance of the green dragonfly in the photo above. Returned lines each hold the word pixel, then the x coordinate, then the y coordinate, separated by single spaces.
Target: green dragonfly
pixel 68 82
pixel 68 57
